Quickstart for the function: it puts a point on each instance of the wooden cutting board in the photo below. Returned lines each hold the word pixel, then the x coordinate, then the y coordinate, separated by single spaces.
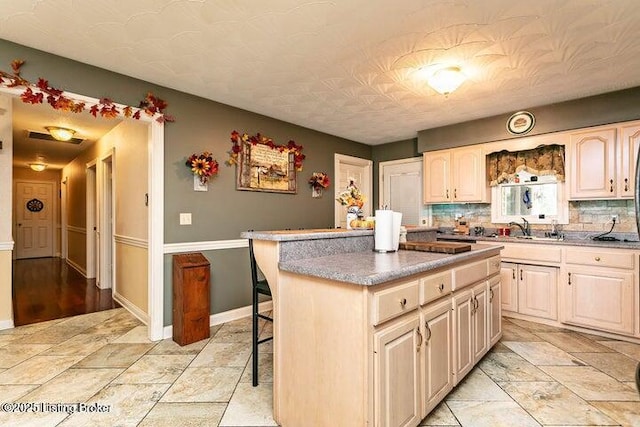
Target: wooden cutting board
pixel 441 247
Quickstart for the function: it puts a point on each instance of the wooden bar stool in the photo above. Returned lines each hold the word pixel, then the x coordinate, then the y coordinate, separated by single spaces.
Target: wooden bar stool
pixel 259 287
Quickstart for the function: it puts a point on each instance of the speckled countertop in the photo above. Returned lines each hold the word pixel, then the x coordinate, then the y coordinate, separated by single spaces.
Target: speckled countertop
pixel 570 240
pixel 372 268
pixel 314 234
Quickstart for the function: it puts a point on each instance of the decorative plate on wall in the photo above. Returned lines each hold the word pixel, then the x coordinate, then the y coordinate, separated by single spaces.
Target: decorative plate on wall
pixel 35 205
pixel 521 122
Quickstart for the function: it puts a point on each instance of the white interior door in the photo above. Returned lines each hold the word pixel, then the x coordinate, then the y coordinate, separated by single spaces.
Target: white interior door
pixel 359 170
pixel 105 273
pixel 401 189
pixel 34 212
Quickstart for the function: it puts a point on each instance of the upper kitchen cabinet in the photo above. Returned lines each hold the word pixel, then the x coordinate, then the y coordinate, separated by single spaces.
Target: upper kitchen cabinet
pixel 602 162
pixel 629 145
pixel 455 176
pixel 592 157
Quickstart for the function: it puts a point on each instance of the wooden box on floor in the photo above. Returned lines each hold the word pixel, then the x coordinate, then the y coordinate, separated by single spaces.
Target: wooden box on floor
pixel 191 277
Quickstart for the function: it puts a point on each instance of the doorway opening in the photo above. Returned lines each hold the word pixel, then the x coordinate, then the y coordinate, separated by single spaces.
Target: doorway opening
pixel 64 187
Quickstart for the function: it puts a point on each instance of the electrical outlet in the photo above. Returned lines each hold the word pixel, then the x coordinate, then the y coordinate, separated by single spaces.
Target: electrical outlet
pixel 614 218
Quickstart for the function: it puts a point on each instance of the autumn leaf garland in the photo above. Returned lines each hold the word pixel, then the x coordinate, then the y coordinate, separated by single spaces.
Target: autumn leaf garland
pixel 41 91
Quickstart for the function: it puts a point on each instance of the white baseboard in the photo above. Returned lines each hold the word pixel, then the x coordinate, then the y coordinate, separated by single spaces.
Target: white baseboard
pixel 6 324
pixel 77 268
pixel 226 316
pixel 131 308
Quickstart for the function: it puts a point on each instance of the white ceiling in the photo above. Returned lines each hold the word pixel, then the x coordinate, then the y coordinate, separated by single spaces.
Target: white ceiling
pixel 346 67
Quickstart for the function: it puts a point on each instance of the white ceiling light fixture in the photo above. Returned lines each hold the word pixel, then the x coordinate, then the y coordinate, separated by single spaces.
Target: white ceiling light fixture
pixel 38 167
pixel 59 133
pixel 446 80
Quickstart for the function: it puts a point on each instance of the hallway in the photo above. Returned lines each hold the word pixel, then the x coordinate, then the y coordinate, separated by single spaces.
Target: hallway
pixel 48 288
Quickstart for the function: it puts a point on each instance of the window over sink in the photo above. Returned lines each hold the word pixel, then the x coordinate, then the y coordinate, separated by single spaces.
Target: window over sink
pixel 538 199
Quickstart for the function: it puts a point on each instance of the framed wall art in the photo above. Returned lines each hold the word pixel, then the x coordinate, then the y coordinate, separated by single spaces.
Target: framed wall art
pixel 262 165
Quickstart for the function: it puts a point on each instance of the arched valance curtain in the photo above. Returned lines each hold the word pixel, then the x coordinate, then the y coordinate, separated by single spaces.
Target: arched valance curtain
pixel 543 160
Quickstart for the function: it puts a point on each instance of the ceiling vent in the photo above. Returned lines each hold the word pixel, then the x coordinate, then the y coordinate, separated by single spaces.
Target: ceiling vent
pixel 40 135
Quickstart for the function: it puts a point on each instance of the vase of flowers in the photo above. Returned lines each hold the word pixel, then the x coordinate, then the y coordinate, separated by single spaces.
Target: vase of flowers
pixel 354 200
pixel 318 182
pixel 203 166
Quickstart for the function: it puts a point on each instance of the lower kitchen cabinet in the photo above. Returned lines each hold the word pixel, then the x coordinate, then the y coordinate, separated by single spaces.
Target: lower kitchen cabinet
pixel 397 373
pixel 530 289
pixel 601 298
pixel 495 310
pixel 470 328
pixel 463 333
pixel 437 356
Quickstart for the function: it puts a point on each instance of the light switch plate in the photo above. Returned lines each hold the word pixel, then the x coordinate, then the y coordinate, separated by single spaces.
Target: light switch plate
pixel 185 219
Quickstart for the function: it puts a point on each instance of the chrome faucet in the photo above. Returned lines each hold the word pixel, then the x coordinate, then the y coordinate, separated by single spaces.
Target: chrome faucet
pixel 525 227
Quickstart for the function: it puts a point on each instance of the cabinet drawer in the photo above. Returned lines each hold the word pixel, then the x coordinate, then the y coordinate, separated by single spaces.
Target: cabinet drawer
pixel 394 301
pixel 468 274
pixel 528 253
pixel 601 258
pixel 435 286
pixel 493 265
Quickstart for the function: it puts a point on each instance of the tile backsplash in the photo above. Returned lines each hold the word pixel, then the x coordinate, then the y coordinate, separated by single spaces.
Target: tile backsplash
pixel 590 215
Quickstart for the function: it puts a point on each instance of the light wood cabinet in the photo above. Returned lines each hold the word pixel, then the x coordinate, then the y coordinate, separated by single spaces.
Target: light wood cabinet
pixel 509 288
pixel 629 144
pixel 592 156
pixel 455 176
pixel 600 290
pixel 470 311
pixel 495 310
pixel 397 373
pixel 437 357
pixel 538 291
pixel 601 298
pixel 602 162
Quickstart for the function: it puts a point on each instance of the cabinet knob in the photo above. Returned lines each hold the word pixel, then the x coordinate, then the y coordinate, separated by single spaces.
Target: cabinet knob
pixel 441 287
pixel 597 258
pixel 626 184
pixel 403 302
pixel 611 182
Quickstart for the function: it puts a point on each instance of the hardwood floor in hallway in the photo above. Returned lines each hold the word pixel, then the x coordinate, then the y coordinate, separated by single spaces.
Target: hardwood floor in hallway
pixel 48 288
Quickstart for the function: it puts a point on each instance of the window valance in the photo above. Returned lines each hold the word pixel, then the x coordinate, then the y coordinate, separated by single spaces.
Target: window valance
pixel 544 160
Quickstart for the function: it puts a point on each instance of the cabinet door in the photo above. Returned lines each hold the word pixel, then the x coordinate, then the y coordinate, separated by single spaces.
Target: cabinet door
pixel 600 298
pixel 593 164
pixel 630 143
pixel 468 179
pixel 397 374
pixel 438 355
pixel 463 334
pixel 509 288
pixel 437 171
pixel 495 310
pixel 538 291
pixel 480 321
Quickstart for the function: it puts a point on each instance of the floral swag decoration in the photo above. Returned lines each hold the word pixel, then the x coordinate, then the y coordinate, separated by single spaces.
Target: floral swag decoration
pixel 237 140
pixel 203 166
pixel 319 180
pixel 41 91
pixel 351 197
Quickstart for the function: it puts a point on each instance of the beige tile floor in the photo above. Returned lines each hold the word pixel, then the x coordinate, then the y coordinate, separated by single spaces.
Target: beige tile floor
pixel 537 375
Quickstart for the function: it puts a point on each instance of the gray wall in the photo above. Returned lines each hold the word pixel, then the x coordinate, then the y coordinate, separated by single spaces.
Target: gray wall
pixel 602 109
pixel 222 212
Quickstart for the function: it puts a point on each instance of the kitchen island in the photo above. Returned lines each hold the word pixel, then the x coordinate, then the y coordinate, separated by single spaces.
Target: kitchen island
pixel 364 338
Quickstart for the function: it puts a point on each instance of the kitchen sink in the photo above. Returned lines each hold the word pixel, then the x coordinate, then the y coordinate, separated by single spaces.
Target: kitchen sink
pixel 538 238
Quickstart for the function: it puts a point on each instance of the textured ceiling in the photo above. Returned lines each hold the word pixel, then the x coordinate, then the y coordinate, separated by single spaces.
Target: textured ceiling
pixel 346 67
